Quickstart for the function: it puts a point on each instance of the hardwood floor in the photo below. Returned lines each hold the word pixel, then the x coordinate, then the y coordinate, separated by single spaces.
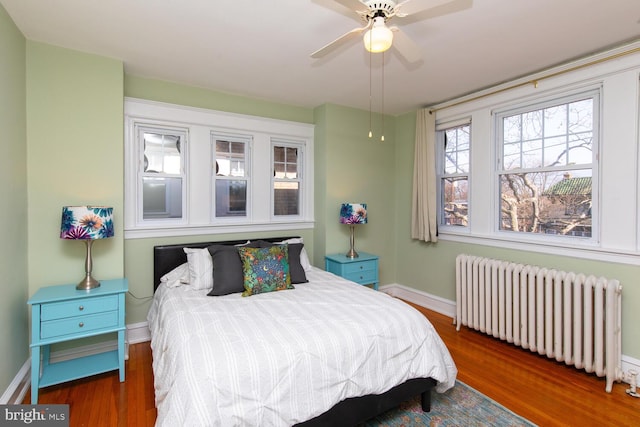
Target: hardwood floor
pixel 543 391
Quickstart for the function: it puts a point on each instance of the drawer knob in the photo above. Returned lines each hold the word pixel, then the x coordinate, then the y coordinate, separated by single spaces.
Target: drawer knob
pixel 81 324
pixel 81 308
pixel 361 267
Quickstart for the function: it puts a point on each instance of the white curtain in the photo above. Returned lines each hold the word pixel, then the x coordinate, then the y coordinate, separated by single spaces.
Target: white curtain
pixel 423 212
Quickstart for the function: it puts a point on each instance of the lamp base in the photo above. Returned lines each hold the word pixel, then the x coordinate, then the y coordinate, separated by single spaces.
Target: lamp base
pixel 87 283
pixel 352 254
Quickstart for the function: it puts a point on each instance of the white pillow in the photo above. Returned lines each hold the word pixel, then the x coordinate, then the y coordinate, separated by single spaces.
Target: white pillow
pixel 176 277
pixel 304 258
pixel 200 268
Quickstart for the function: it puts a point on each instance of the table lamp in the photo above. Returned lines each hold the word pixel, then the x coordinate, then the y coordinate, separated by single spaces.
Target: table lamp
pixel 87 223
pixel 353 214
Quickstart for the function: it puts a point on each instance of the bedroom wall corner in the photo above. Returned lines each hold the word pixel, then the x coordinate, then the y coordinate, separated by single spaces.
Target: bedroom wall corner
pixel 14 337
pixel 360 169
pixel 320 185
pixel 74 150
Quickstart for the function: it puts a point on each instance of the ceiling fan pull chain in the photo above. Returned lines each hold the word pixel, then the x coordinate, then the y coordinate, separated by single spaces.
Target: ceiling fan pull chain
pixel 382 137
pixel 370 113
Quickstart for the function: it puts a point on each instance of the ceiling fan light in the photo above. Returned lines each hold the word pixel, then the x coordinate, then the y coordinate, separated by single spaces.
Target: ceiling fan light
pixel 378 38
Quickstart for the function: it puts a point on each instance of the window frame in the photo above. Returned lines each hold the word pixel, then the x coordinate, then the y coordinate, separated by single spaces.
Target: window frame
pixel 231 137
pixel 535 104
pixel 199 213
pixel 278 142
pixel 441 175
pixel 139 129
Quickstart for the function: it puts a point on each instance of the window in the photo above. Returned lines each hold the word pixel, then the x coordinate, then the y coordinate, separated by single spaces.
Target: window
pixel 286 179
pixel 231 180
pixel 454 142
pixel 547 167
pixel 192 171
pixel 161 172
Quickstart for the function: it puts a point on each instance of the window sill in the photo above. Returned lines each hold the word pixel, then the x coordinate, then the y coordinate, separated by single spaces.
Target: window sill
pixel 185 230
pixel 585 251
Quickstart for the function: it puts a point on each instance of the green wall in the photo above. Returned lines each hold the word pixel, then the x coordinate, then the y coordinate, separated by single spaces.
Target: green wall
pixel 14 335
pixel 75 156
pixel 162 91
pixel 352 167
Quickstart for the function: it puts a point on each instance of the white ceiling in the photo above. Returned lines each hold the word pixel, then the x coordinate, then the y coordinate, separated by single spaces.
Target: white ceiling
pixel 261 48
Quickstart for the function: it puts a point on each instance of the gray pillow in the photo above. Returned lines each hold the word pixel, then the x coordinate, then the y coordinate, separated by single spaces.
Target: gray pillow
pixel 227 269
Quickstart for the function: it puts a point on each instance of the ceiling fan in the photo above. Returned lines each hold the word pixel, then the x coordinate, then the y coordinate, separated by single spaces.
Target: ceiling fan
pixel 378 37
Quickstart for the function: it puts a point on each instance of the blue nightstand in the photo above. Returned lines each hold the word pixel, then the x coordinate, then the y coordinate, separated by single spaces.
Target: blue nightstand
pixel 363 270
pixel 63 313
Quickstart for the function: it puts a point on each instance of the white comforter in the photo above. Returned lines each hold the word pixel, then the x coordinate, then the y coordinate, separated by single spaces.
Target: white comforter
pixel 280 358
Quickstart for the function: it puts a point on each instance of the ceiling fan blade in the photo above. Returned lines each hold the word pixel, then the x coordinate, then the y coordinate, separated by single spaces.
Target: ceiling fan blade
pixel 409 7
pixel 356 5
pixel 406 47
pixel 337 42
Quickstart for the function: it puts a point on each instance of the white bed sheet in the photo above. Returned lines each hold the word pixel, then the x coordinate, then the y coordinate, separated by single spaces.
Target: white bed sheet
pixel 280 358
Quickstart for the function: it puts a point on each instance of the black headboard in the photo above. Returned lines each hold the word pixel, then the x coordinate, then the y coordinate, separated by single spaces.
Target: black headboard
pixel 168 257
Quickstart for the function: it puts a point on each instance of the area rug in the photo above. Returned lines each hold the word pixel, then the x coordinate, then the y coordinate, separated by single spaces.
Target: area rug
pixel 459 406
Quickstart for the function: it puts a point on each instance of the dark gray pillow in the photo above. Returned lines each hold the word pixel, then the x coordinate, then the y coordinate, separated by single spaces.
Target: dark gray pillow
pixel 295 266
pixel 227 269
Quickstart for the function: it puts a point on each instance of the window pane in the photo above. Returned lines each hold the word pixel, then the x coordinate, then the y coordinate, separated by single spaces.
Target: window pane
pixel 230 189
pixel 547 202
pixel 554 136
pixel 285 162
pixel 455 194
pixel 161 198
pixel 286 187
pixel 231 198
pixel 456 150
pixel 230 158
pixel 286 195
pixel 161 153
pixel 278 154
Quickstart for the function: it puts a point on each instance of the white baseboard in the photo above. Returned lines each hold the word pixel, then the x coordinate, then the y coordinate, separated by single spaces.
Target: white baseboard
pixel 138 332
pixel 423 299
pixel 14 394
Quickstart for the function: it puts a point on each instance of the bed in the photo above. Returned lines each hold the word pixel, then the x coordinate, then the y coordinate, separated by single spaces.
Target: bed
pixel 327 352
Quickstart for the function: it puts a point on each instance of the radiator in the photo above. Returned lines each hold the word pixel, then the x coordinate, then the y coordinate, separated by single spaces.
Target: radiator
pixel 569 317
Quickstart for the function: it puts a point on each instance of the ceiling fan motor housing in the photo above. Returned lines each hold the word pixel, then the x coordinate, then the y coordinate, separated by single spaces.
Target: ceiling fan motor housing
pixel 385 9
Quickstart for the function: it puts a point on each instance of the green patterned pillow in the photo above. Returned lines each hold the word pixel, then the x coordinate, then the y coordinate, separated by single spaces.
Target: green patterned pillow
pixel 265 269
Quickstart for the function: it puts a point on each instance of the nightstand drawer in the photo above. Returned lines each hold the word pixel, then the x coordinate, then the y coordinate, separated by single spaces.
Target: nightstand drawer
pixel 362 270
pixel 79 307
pixel 362 277
pixel 78 324
pixel 360 267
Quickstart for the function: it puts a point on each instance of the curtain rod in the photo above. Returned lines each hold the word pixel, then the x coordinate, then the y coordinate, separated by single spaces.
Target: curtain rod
pixel 535 82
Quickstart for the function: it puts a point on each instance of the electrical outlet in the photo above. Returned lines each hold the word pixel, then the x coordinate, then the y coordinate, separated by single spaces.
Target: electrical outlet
pixel 626 376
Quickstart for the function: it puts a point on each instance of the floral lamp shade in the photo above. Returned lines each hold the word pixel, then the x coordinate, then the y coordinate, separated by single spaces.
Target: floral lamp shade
pixel 353 214
pixel 87 223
